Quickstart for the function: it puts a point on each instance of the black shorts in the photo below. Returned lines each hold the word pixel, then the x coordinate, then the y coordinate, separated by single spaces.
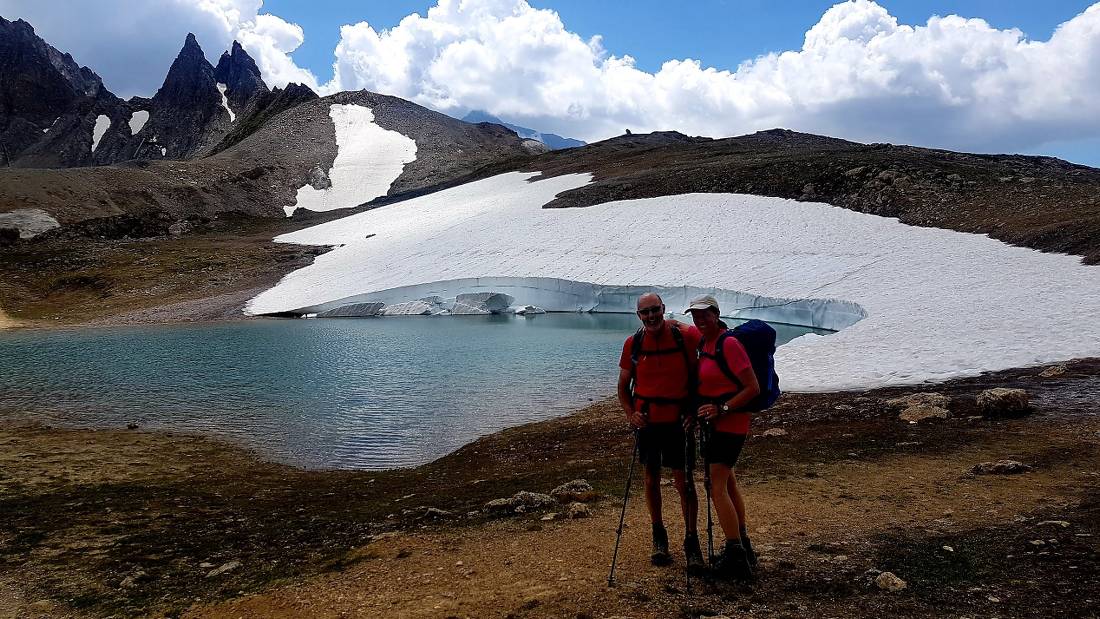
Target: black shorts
pixel 664 444
pixel 724 448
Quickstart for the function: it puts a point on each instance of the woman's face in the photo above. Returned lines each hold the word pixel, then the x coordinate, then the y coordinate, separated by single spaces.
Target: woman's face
pixel 705 320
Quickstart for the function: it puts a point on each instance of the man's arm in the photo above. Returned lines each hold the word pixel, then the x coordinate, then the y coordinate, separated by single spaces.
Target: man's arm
pixel 626 401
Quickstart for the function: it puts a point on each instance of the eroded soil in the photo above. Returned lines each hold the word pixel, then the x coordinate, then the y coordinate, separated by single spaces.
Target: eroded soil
pixel 127 523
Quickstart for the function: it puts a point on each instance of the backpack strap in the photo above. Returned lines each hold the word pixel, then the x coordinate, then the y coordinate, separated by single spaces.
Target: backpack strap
pixel 719 357
pixel 635 353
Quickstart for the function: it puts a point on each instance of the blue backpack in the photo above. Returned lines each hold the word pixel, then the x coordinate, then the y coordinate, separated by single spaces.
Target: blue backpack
pixel 758 339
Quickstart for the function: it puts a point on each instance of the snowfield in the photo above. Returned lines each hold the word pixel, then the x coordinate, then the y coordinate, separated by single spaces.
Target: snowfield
pixel 225 101
pixel 102 123
pixel 138 120
pixel 935 304
pixel 369 159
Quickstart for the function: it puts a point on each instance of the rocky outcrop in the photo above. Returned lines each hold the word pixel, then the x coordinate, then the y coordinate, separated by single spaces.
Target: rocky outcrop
pixel 187 114
pixel 49 106
pixel 241 77
pixel 576 491
pixel 1001 402
pixel 1000 467
pixel 921 407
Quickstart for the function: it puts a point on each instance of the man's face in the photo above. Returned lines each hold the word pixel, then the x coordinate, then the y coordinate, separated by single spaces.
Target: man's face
pixel 651 312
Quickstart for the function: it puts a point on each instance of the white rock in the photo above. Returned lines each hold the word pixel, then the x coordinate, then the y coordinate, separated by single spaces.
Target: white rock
pixel 226 567
pixel 774 432
pixel 30 222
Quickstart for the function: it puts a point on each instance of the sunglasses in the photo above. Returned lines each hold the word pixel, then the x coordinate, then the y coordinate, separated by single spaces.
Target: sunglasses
pixel 646 311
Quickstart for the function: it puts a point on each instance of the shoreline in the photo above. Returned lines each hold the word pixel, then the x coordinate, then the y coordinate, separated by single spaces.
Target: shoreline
pixel 122 522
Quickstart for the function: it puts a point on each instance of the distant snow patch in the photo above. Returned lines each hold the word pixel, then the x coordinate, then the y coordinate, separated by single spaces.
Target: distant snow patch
pixel 47 129
pixel 138 120
pixel 102 123
pixel 163 151
pixel 225 102
pixel 368 160
pixel 30 222
pixel 938 303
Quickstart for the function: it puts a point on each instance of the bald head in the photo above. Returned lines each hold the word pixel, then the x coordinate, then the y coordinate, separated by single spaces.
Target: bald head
pixel 649 299
pixel 651 311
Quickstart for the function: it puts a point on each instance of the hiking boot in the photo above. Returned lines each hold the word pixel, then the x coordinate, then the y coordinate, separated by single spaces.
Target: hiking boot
pixel 733 563
pixel 750 554
pixel 693 555
pixel 660 554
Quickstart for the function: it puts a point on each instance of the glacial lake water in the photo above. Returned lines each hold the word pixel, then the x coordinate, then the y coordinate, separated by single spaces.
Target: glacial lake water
pixel 332 393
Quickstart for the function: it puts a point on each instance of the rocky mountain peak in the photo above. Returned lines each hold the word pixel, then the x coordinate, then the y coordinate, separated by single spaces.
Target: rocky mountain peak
pixel 238 71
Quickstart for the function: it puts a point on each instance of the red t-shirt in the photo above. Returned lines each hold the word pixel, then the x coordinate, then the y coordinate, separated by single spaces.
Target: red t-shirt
pixel 663 375
pixel 713 382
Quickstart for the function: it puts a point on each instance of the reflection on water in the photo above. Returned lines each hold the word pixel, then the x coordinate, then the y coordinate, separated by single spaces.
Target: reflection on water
pixel 351 393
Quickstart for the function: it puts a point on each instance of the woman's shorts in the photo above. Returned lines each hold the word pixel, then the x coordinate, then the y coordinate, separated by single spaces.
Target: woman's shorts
pixel 664 444
pixel 724 448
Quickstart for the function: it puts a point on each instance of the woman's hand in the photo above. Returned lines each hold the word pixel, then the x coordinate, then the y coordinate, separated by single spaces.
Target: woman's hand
pixel 637 419
pixel 708 412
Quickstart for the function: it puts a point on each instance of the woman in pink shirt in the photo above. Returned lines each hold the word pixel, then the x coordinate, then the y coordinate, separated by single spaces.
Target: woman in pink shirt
pixel 724 415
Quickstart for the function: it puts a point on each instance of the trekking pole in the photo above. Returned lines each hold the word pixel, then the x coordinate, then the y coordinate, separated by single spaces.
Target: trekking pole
pixel 689 487
pixel 703 429
pixel 622 515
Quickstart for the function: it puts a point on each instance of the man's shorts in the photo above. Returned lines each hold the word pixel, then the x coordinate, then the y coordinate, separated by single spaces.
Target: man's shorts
pixel 724 448
pixel 663 444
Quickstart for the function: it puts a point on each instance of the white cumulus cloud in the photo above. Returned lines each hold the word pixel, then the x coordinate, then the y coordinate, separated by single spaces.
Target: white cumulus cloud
pixel 952 81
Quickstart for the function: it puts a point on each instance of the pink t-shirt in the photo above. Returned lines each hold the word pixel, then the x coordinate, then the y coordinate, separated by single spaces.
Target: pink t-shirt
pixel 713 382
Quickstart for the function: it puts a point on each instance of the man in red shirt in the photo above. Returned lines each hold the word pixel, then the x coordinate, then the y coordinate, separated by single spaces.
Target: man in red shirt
pixel 656 383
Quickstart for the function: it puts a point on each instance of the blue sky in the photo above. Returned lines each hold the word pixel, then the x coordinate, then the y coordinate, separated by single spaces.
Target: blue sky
pixel 720 33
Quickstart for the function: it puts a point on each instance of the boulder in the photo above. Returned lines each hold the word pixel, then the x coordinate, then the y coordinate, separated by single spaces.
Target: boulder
pixel 576 510
pixel 533 500
pixel 520 503
pixel 1000 467
pixel 499 506
pixel 924 398
pixel 1001 402
pixel 888 581
pixel 919 413
pixel 578 490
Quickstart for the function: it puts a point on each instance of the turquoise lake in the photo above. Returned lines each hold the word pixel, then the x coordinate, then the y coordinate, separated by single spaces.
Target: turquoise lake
pixel 333 393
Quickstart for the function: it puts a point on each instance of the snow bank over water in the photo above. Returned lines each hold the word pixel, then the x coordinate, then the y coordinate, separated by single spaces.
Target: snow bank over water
pixel 369 159
pixel 938 303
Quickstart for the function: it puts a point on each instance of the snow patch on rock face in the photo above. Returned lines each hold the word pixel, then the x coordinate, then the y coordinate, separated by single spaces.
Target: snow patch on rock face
pixel 369 159
pixel 938 303
pixel 47 129
pixel 30 222
pixel 225 102
pixel 163 151
pixel 138 120
pixel 102 123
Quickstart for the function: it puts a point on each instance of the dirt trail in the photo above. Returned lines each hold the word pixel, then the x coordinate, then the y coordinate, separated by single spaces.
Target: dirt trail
pixel 805 529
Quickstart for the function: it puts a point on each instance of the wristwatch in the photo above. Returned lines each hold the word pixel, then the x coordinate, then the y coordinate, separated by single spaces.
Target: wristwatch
pixel 725 408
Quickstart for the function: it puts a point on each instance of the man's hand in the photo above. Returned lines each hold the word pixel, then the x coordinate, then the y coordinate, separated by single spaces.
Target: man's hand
pixel 637 419
pixel 689 422
pixel 708 412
